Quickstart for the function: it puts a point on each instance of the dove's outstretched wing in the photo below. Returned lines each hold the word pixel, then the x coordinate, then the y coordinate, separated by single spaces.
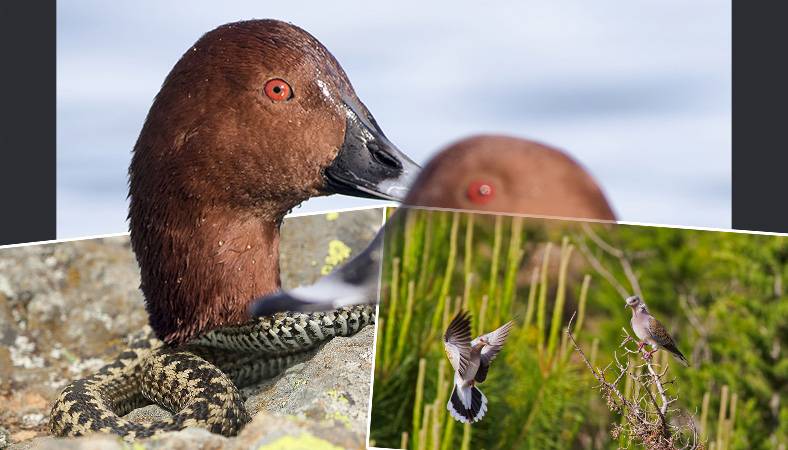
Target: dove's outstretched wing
pixel 457 342
pixel 493 343
pixel 353 283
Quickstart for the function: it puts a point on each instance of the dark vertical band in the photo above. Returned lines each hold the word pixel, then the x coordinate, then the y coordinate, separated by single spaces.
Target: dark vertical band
pixel 760 116
pixel 27 121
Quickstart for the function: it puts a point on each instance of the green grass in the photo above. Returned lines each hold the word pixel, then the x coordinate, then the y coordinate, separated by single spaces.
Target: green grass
pixel 502 268
pixel 412 387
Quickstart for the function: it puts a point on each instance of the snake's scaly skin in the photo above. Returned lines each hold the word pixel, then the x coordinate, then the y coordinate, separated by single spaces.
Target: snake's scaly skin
pixel 197 382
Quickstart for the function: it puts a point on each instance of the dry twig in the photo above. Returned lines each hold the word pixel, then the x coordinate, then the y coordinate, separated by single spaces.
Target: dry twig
pixel 617 253
pixel 600 269
pixel 646 416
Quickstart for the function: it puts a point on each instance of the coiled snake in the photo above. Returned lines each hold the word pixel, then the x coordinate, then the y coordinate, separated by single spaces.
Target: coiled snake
pixel 197 382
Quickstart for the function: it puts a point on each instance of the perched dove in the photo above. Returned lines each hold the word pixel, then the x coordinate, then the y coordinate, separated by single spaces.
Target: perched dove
pixel 651 331
pixel 471 361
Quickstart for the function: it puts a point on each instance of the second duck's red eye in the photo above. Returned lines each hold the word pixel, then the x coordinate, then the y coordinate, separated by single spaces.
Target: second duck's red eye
pixel 277 90
pixel 480 192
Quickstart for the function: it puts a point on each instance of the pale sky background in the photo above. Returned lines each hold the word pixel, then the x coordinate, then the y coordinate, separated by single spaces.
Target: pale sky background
pixel 639 92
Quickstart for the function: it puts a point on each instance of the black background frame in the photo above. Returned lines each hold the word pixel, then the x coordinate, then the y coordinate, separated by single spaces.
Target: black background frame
pixel 760 115
pixel 27 121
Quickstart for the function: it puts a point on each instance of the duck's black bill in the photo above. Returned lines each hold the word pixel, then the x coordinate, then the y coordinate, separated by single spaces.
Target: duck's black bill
pixel 368 164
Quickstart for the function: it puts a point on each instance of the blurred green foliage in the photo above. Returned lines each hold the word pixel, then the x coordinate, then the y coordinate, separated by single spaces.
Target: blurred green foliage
pixel 720 294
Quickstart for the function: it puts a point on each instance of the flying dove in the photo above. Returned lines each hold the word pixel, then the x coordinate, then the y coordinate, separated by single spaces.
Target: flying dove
pixel 471 361
pixel 651 331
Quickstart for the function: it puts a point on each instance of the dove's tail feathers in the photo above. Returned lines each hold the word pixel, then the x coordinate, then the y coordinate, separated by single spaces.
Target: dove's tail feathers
pixel 467 404
pixel 680 357
pixel 672 349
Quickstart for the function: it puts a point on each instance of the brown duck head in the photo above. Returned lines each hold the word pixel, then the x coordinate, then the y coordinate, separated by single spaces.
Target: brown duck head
pixel 509 175
pixel 255 118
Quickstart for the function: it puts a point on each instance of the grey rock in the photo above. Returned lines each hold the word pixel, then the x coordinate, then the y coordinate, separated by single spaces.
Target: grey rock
pixel 150 413
pixel 66 309
pixel 293 433
pixel 331 386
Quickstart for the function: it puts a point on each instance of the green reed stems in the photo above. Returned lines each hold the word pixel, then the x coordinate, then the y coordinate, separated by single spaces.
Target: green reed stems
pixel 388 337
pixel 560 298
pixel 450 260
pixel 417 402
pixel 540 309
pixel 405 326
pixel 497 239
pixel 529 310
pixel 514 257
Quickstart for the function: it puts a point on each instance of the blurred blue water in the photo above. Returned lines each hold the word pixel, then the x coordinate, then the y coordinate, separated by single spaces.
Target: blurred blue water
pixel 637 91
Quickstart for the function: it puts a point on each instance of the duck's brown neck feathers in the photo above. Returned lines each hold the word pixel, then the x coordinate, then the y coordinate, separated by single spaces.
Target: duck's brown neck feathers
pixel 204 223
pixel 202 265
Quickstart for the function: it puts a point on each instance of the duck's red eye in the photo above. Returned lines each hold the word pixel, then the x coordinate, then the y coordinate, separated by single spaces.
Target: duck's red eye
pixel 277 90
pixel 480 192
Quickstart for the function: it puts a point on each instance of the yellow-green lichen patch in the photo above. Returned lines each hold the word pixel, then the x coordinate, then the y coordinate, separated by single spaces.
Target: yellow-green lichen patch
pixel 302 442
pixel 336 396
pixel 341 402
pixel 332 216
pixel 337 416
pixel 135 445
pixel 338 251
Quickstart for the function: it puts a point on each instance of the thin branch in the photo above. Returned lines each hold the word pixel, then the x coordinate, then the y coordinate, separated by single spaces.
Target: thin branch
pixel 653 401
pixel 630 274
pixel 600 269
pixel 656 379
pixel 618 254
pixel 700 350
pixel 613 251
pixel 599 375
pixel 693 318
